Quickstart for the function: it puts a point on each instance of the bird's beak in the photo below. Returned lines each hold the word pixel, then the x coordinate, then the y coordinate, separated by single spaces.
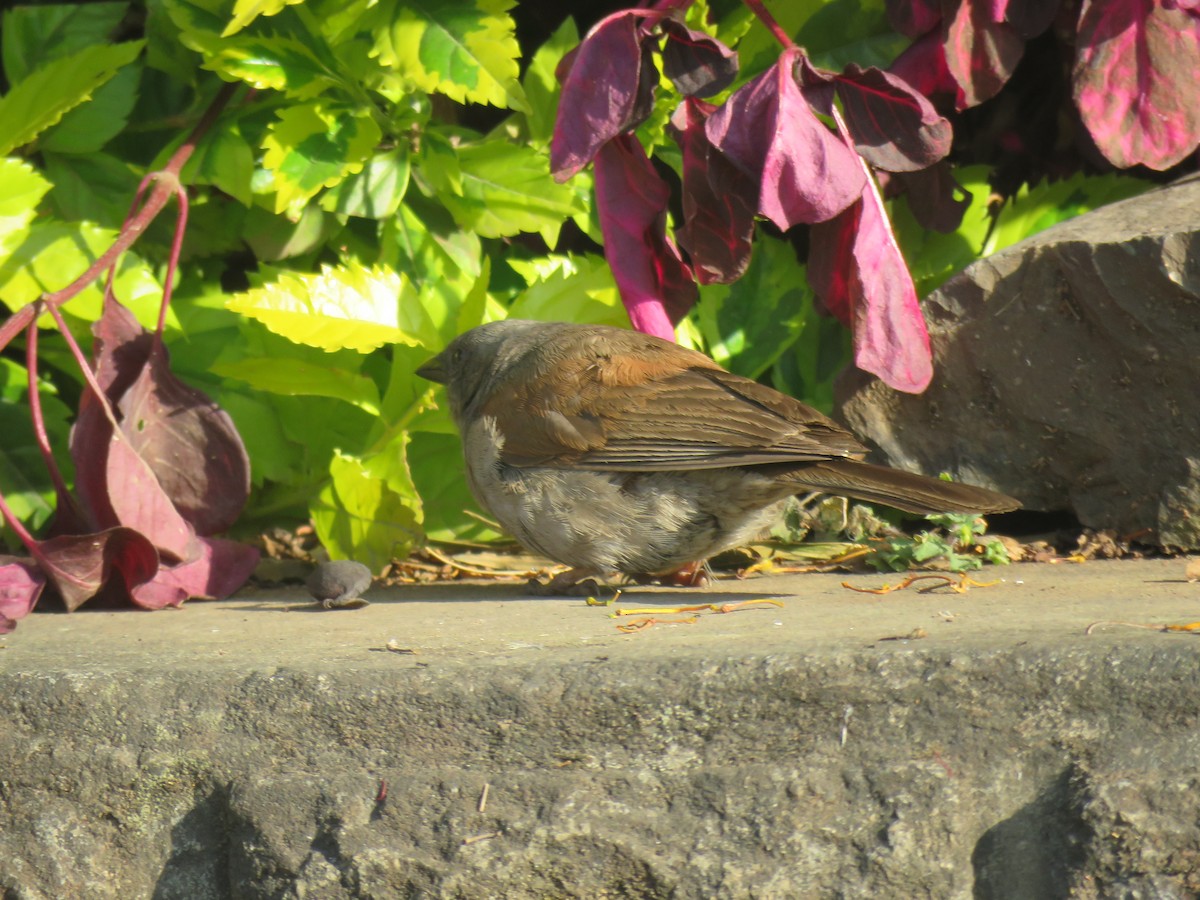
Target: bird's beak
pixel 433 370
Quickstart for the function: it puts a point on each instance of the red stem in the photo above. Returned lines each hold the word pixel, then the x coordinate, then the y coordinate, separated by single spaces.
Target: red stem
pixel 757 7
pixel 35 409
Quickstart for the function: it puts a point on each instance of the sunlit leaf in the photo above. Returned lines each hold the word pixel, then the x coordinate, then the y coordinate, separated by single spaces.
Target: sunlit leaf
pixel 21 190
pixel 246 11
pixel 295 377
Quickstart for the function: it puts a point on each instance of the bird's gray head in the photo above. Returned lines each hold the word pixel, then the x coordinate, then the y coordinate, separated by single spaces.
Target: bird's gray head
pixel 475 361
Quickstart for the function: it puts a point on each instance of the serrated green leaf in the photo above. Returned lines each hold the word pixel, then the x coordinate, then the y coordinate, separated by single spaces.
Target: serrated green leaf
pixel 440 477
pixel 297 378
pixel 465 49
pixel 24 478
pixel 21 190
pixel 246 11
pixel 310 147
pixel 92 186
pixel 223 159
pixel 42 99
pixel 342 308
pixel 374 193
pixel 370 511
pixel 576 288
pixel 33 35
pixel 542 89
pixel 507 189
pixel 89 127
pixel 267 62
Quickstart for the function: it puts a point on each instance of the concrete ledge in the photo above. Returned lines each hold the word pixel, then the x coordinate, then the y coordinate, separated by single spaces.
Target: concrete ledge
pixel 236 750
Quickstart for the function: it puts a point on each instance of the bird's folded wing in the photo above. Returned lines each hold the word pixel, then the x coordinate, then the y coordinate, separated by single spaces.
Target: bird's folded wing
pixel 674 418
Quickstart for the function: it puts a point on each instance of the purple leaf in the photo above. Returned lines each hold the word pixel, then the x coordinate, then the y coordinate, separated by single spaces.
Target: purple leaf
pixel 768 130
pixel 937 201
pixel 139 502
pixel 697 64
pixel 1029 17
pixel 913 18
pixel 21 583
pixel 607 90
pixel 656 285
pixel 189 443
pixel 219 569
pixel 923 65
pixel 1135 81
pixel 981 53
pixel 79 565
pixel 718 200
pixel 859 274
pixel 894 126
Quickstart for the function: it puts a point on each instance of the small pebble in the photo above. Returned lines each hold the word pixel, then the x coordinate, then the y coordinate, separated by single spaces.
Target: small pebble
pixel 338 583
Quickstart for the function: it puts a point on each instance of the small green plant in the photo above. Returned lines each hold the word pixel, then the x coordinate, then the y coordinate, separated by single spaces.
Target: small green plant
pixel 960 540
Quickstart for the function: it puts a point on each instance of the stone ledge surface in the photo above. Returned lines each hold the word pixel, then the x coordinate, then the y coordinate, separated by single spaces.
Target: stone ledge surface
pixel 237 749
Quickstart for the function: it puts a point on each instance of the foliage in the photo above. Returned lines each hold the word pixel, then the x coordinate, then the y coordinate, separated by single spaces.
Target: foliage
pixel 960 543
pixel 374 178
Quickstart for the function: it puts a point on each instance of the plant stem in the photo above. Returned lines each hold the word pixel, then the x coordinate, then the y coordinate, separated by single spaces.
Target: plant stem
pixel 757 7
pixel 35 409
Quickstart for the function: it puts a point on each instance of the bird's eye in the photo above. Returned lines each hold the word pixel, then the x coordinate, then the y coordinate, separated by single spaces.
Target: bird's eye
pixel 457 356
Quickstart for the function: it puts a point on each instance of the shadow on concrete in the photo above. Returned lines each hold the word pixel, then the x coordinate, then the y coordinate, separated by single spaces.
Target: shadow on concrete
pixel 197 868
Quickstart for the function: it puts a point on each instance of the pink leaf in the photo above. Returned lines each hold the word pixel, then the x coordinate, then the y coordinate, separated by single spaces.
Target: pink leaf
pixel 1029 17
pixel 1136 81
pixel 656 285
pixel 894 126
pixel 697 64
pixel 139 502
pixel 78 566
pixel 608 89
pixel 768 130
pixel 923 65
pixel 862 278
pixel 219 569
pixel 718 200
pixel 913 18
pixel 21 583
pixel 189 443
pixel 980 53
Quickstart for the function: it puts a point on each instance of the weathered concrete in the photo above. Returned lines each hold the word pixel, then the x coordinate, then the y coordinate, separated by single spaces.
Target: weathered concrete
pixel 236 750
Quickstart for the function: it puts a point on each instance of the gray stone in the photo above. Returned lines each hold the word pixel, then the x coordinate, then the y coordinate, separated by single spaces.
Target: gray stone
pixel 1067 372
pixel 255 748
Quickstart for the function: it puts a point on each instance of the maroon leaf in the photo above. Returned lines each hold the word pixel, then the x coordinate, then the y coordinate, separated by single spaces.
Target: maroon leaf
pixel 190 444
pixel 219 569
pixel 79 565
pixel 656 285
pixel 859 274
pixel 923 65
pixel 913 18
pixel 768 130
pixel 1029 17
pixel 1191 6
pixel 697 64
pixel 981 53
pixel 608 89
pixel 1135 81
pixel 718 200
pixel 937 201
pixel 894 126
pixel 21 583
pixel 139 502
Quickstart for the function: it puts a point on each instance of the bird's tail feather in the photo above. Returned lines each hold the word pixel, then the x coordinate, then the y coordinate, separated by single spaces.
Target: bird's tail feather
pixel 908 491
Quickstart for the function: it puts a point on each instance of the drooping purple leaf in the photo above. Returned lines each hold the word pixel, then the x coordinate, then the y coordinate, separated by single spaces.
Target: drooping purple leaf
pixel 1136 81
pixel 861 276
pixel 656 286
pixel 219 569
pixel 698 64
pixel 718 200
pixel 189 443
pixel 139 502
pixel 79 565
pixel 913 18
pixel 981 53
pixel 608 89
pixel 937 201
pixel 894 126
pixel 923 65
pixel 21 583
pixel 768 130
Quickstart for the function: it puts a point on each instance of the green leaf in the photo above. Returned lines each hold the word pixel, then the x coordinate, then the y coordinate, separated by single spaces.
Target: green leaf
pixel 24 478
pixel 465 49
pixel 374 193
pixel 33 35
pixel 246 11
pixel 370 511
pixel 439 473
pixel 347 307
pixel 21 190
pixel 297 378
pixel 542 89
pixel 42 99
pixel 266 62
pixel 272 455
pixel 223 159
pixel 748 325
pixel 310 147
pixel 276 237
pixel 573 288
pixel 89 127
pixel 507 189
pixel 92 186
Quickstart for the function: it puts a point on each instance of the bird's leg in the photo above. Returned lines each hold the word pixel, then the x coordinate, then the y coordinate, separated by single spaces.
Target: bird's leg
pixel 571 583
pixel 695 574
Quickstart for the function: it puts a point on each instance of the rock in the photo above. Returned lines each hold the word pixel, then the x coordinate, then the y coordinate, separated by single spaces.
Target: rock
pixel 338 583
pixel 1067 373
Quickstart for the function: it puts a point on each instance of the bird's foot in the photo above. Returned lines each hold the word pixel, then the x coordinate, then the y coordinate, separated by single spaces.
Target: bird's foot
pixel 694 574
pixel 571 583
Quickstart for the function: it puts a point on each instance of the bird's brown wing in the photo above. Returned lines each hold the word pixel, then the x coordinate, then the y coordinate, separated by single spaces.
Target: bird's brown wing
pixel 651 407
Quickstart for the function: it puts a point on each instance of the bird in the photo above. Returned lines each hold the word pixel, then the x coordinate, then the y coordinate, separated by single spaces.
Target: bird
pixel 617 452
